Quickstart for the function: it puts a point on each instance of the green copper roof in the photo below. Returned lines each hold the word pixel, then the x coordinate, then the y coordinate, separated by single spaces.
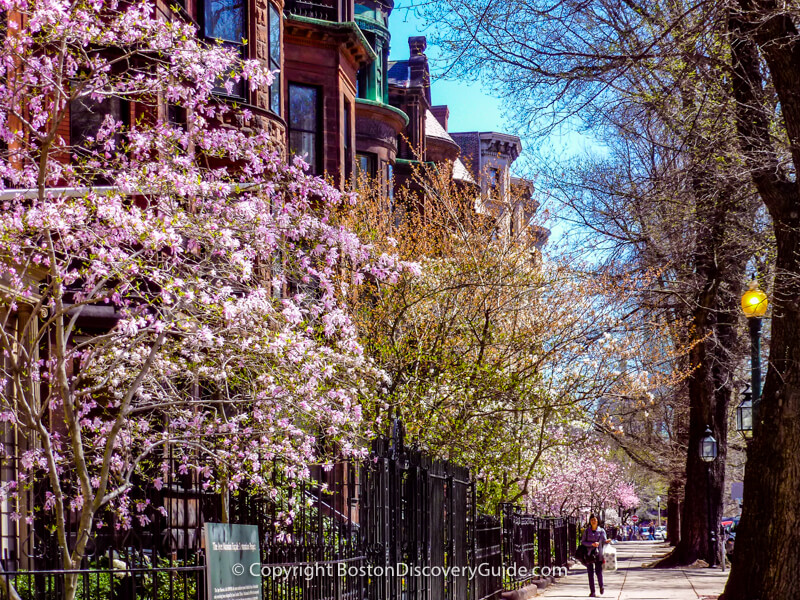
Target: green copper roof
pixel 388 107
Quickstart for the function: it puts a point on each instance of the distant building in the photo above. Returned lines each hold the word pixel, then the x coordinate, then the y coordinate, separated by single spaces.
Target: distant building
pixel 426 138
pixel 482 159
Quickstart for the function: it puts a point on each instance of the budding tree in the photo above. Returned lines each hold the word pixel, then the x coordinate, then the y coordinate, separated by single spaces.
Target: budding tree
pixel 579 475
pixel 496 345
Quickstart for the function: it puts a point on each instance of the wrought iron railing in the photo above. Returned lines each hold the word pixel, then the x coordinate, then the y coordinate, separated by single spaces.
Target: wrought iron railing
pixel 399 509
pixel 326 10
pixel 532 542
pixel 489 540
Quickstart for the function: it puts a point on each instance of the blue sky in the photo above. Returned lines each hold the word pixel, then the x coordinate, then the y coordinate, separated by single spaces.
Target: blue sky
pixel 471 108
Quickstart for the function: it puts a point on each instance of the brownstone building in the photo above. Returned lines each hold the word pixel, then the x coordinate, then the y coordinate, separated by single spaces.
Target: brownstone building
pixel 324 50
pixel 339 102
pixel 232 22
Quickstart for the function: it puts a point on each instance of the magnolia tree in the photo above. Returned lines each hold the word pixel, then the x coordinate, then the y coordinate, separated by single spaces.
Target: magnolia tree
pixel 228 348
pixel 578 476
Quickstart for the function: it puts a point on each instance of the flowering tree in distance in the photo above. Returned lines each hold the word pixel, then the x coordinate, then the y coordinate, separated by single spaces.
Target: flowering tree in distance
pixel 213 263
pixel 580 476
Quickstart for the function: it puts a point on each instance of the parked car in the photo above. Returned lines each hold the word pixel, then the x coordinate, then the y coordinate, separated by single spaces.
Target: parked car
pixel 661 533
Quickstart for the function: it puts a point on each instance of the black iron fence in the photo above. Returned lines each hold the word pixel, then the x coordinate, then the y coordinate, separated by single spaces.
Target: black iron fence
pixel 530 541
pixel 157 557
pixel 489 551
pixel 393 527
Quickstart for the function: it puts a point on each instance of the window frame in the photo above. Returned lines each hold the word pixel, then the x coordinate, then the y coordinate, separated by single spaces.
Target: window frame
pixel 242 48
pixel 348 142
pixel 274 63
pixel 318 167
pixel 372 164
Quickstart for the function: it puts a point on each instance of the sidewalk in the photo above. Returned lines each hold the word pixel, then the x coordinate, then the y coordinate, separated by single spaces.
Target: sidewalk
pixel 632 582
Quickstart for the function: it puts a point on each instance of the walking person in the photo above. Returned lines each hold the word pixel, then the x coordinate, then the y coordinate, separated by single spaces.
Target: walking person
pixel 594 537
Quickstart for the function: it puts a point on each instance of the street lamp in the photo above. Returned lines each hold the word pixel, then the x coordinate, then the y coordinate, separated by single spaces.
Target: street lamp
pixel 708 453
pixel 754 305
pixel 744 416
pixel 658 500
pixel 708 447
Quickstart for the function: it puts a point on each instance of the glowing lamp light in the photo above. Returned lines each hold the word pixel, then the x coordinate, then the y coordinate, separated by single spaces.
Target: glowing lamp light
pixel 754 301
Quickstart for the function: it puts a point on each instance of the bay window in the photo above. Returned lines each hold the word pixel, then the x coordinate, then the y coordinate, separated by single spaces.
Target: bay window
pixel 226 20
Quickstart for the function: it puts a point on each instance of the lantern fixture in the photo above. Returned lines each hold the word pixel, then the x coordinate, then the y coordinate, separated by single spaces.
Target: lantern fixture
pixel 744 416
pixel 708 447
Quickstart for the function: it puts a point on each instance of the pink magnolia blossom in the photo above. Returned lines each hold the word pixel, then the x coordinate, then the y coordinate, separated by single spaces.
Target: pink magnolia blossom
pixel 203 356
pixel 577 477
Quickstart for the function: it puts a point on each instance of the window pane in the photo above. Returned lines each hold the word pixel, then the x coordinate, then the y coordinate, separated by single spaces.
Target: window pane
pixel 176 115
pixel 367 164
pixel 361 82
pixel 274 35
pixel 301 143
pixel 348 153
pixel 302 107
pixel 87 115
pixel 224 20
pixel 275 95
pixel 237 89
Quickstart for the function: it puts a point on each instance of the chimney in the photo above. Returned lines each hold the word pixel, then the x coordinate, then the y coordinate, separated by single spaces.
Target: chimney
pixel 442 114
pixel 417 45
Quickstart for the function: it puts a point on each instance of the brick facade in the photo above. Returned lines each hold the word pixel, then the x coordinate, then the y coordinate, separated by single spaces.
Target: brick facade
pixel 369 110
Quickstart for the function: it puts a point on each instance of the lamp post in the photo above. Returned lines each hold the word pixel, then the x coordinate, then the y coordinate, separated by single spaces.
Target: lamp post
pixel 658 500
pixel 754 305
pixel 708 454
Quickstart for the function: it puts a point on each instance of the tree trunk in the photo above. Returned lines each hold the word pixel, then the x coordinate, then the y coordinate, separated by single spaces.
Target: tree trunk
pixel 8 590
pixel 674 499
pixel 720 272
pixel 767 552
pixel 708 408
pixel 70 585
